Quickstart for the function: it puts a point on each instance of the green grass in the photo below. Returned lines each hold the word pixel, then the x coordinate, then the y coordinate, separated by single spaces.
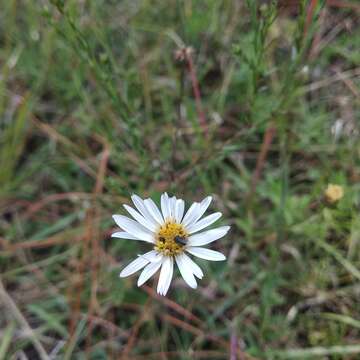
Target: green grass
pixel 94 107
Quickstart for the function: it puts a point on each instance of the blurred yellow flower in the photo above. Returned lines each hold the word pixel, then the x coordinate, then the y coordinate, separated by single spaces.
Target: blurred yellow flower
pixel 334 193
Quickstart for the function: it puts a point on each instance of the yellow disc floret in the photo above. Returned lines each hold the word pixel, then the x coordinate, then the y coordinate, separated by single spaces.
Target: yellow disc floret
pixel 171 238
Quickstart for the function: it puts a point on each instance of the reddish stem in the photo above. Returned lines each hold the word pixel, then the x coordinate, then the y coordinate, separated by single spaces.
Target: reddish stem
pixel 265 146
pixel 309 16
pixel 196 88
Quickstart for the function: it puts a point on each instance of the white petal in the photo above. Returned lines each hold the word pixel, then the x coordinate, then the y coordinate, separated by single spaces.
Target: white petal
pixel 166 274
pixel 172 202
pixel 185 271
pixel 169 277
pixel 154 211
pixel 195 268
pixel 179 210
pixel 151 256
pixel 207 237
pixel 203 223
pixel 139 203
pixel 154 257
pixel 165 206
pixel 124 235
pixel 141 219
pixel 134 228
pixel 206 254
pixel 134 266
pixel 191 213
pixel 202 208
pixel 148 272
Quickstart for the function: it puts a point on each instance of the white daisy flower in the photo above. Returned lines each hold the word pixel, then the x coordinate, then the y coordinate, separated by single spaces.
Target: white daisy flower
pixel 172 235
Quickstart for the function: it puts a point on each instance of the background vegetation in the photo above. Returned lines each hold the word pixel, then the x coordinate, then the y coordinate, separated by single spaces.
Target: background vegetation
pixel 256 103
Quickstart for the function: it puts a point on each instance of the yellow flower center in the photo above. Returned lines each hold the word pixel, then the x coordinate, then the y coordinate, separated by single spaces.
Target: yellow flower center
pixel 171 239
